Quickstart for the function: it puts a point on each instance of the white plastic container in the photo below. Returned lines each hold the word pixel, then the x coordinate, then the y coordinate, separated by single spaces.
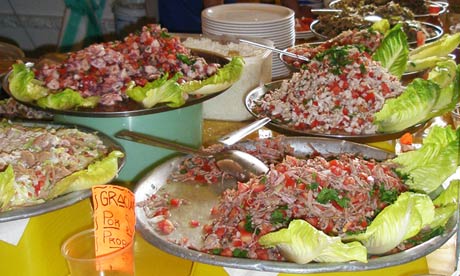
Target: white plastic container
pixel 257 70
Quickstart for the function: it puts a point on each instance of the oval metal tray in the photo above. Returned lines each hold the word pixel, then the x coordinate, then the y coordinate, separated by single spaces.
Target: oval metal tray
pixel 199 207
pixel 67 199
pixel 441 5
pixel 258 92
pixel 437 29
pixel 130 107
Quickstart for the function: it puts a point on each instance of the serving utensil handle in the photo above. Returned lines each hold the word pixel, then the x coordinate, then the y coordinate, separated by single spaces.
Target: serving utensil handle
pixel 157 142
pixel 239 134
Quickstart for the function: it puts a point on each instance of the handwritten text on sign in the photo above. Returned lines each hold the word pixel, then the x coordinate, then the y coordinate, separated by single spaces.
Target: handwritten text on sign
pixel 114 218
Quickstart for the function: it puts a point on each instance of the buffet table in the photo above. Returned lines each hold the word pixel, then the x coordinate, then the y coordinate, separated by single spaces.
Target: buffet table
pixel 38 251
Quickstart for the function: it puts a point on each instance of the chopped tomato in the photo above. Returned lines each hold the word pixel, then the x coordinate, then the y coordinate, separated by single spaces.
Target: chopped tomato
pixel 175 202
pixel 421 37
pixel 165 226
pixel 289 181
pixel 194 223
pixel 226 252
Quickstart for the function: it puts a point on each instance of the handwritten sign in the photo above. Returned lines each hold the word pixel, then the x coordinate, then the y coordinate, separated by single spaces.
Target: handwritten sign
pixel 114 221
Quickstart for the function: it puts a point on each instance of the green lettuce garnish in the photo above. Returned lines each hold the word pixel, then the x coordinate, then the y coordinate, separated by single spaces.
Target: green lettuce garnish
pixel 97 173
pixel 224 78
pixel 162 90
pixel 440 48
pixel 302 243
pixel 398 222
pixel 67 99
pixel 393 51
pixel 428 167
pixel 449 195
pixel 7 191
pixel 410 108
pixel 23 85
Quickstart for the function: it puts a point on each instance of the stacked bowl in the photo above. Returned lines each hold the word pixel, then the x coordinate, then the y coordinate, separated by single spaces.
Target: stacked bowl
pixel 273 22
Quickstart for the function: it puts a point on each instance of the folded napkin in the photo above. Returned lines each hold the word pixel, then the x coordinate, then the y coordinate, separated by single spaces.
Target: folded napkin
pixel 11 231
pixel 244 272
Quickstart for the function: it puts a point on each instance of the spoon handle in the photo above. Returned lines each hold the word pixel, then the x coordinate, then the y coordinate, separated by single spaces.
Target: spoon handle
pixel 286 53
pixel 239 134
pixel 157 142
pixel 325 11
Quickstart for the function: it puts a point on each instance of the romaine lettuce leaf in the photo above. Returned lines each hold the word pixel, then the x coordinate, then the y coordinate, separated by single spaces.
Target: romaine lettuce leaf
pixel 383 26
pixel 396 223
pixel 23 85
pixel 223 79
pixel 162 90
pixel 410 108
pixel 442 215
pixel 450 93
pixel 393 51
pixel 428 167
pixel 97 173
pixel 7 190
pixel 419 65
pixel 441 47
pixel 302 243
pixel 449 195
pixel 67 99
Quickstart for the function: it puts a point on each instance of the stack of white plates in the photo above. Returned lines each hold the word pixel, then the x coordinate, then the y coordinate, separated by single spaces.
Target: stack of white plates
pixel 273 22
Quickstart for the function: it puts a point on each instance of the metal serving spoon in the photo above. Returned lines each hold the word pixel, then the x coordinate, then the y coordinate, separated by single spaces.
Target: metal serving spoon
pixel 234 162
pixel 286 53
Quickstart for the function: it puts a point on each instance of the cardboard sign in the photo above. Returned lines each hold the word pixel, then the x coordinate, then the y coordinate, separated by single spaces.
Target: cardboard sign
pixel 114 221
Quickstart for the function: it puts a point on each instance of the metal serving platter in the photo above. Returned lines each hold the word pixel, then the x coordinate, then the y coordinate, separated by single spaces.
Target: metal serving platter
pixel 130 107
pixel 437 29
pixel 67 199
pixel 202 197
pixel 442 8
pixel 258 92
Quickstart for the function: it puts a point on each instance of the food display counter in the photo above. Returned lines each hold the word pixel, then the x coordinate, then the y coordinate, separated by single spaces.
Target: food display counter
pixel 179 117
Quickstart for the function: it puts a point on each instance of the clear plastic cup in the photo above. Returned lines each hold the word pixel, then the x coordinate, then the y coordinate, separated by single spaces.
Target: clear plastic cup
pixel 79 252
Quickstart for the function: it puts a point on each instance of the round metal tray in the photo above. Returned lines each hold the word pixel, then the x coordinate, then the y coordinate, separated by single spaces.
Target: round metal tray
pixel 258 92
pixel 198 208
pixel 67 199
pixel 437 29
pixel 130 107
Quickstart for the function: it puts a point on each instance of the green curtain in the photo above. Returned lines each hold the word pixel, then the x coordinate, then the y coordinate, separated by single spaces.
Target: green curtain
pixel 92 10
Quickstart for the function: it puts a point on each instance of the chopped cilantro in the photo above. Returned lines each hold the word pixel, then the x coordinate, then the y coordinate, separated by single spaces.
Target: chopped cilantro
pixel 278 216
pixel 326 195
pixel 388 196
pixel 314 186
pixel 185 59
pixel 240 253
pixel 216 251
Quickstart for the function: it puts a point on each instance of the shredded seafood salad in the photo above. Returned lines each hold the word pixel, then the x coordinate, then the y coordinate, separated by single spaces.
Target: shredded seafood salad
pixel 340 92
pixel 352 85
pixel 319 207
pixel 38 163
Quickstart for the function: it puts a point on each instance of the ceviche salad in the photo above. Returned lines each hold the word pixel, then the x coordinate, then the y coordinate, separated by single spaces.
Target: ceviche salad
pixel 150 68
pixel 353 84
pixel 39 163
pixel 319 208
